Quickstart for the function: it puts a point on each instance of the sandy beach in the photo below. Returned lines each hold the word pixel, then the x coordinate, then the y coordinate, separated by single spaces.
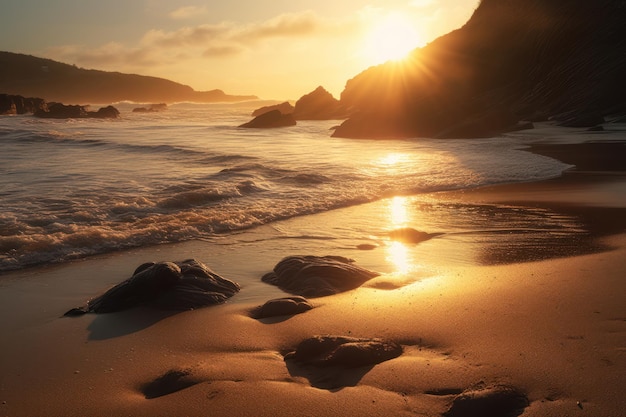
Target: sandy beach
pixel 522 287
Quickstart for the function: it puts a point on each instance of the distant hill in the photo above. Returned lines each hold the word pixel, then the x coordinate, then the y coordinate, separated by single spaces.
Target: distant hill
pixel 513 60
pixel 54 81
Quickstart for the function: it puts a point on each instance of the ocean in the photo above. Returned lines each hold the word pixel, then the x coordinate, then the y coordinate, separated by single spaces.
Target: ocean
pixel 74 188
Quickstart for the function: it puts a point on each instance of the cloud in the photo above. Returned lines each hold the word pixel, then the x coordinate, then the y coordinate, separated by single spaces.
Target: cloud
pixel 284 25
pixel 211 35
pixel 224 40
pixel 217 51
pixel 110 55
pixel 188 12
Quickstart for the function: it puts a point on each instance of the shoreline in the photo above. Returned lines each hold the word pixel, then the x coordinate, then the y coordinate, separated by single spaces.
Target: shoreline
pixel 494 305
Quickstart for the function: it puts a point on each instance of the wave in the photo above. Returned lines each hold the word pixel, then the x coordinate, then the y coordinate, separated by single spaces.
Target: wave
pixel 56 138
pixel 97 187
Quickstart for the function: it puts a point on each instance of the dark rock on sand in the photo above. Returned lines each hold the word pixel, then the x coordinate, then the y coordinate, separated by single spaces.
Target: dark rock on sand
pixel 490 401
pixel 330 362
pixel 271 119
pixel 172 381
pixel 286 306
pixel 317 276
pixel 410 235
pixel 345 352
pixel 165 285
pixel 284 108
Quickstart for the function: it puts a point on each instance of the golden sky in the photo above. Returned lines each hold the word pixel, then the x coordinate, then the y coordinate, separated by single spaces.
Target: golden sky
pixel 273 49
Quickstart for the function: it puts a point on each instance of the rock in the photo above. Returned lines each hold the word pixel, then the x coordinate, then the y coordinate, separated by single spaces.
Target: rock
pixel 108 112
pixel 155 107
pixel 580 120
pixel 286 306
pixel 372 126
pixel 489 401
pixel 344 352
pixel 271 119
pixel 284 108
pixel 182 285
pixel 317 276
pixel 63 111
pixel 15 104
pixel 503 58
pixel 318 105
pixel 487 124
pixel 410 235
pixel 170 382
pixel 334 362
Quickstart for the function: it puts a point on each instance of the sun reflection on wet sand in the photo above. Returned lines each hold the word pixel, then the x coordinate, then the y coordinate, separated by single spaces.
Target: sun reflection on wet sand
pixel 398 254
pixel 398 211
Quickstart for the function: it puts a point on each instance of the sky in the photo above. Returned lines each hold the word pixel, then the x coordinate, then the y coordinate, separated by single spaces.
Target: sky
pixel 279 49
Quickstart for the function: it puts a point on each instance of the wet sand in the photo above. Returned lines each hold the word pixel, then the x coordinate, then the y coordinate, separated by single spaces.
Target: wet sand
pixel 516 302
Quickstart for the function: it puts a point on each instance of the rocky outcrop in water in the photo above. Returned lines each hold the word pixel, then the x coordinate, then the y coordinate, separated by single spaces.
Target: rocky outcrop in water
pixel 16 104
pixel 151 108
pixel 284 108
pixel 182 285
pixel 319 105
pixel 514 60
pixel 269 120
pixel 75 111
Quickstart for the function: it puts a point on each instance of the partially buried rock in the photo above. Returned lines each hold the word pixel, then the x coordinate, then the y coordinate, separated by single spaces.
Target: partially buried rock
pixel 317 276
pixel 489 401
pixel 271 119
pixel 170 382
pixel 182 285
pixel 410 235
pixel 344 352
pixel 286 306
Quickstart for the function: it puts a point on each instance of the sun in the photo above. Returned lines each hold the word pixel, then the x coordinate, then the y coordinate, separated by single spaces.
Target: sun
pixel 391 39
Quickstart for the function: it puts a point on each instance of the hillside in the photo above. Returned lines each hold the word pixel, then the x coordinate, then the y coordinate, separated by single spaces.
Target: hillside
pixel 54 81
pixel 513 60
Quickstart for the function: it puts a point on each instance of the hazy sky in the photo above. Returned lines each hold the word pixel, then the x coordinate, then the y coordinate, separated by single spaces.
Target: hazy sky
pixel 278 49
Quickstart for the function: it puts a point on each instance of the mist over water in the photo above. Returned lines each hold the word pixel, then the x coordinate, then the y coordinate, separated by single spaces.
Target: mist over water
pixel 71 188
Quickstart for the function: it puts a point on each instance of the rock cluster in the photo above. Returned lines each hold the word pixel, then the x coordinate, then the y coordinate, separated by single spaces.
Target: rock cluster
pixel 15 104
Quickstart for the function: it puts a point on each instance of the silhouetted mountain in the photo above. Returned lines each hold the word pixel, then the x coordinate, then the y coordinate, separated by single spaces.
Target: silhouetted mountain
pixel 54 81
pixel 513 60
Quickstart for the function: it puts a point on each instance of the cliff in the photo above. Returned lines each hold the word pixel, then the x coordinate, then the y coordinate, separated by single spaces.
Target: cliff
pixel 513 60
pixel 54 81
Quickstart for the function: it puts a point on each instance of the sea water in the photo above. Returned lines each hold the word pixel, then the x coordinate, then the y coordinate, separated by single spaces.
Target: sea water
pixel 78 187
